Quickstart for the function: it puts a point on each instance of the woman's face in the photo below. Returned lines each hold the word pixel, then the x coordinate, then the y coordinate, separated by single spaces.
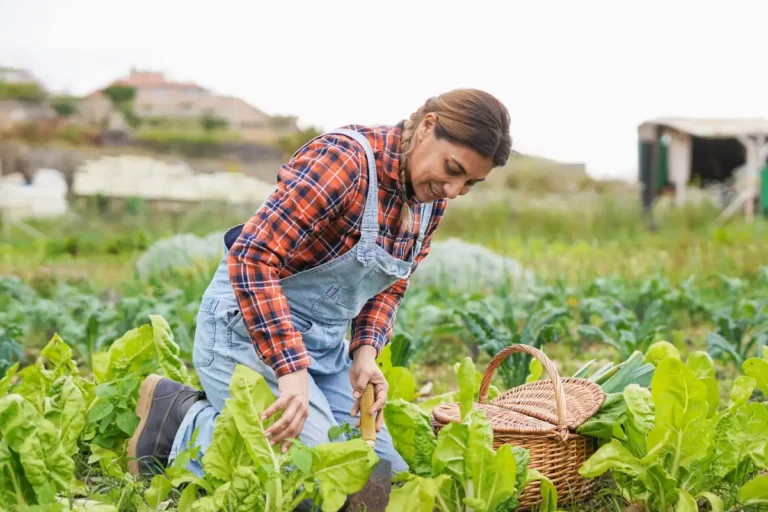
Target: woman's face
pixel 440 169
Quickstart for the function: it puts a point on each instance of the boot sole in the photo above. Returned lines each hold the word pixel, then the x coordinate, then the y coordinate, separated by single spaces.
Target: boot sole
pixel 143 406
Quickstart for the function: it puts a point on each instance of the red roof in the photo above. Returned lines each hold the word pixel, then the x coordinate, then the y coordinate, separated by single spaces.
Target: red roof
pixel 151 80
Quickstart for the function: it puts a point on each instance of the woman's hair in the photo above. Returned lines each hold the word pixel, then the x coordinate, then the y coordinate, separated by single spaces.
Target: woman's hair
pixel 466 117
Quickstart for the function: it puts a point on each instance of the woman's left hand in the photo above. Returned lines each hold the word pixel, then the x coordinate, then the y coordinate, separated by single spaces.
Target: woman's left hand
pixel 364 370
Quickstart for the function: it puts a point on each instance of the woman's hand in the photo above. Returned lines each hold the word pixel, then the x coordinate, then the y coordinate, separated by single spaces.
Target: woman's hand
pixel 364 370
pixel 294 399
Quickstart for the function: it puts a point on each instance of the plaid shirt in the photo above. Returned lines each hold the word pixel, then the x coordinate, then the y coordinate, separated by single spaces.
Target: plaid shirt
pixel 313 217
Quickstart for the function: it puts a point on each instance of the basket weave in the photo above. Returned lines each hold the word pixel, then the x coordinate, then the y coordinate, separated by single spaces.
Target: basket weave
pixel 540 417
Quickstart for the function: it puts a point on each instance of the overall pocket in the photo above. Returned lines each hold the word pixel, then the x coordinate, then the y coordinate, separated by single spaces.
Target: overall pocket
pixel 205 333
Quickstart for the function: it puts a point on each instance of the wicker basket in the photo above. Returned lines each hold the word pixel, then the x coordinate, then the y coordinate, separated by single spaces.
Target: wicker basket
pixel 539 416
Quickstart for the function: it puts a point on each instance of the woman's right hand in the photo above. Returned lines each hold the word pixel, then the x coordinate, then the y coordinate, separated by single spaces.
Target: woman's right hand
pixel 294 400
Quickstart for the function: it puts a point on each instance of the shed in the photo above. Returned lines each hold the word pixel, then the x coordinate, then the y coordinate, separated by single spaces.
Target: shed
pixel 674 151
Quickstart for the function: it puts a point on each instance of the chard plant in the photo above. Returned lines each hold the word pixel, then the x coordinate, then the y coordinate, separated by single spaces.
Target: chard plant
pixel 671 446
pixel 458 470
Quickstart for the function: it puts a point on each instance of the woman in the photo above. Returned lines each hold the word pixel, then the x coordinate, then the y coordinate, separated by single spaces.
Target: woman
pixel 330 250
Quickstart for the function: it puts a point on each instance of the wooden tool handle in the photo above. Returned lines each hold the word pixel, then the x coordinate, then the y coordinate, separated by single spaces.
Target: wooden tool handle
pixel 367 420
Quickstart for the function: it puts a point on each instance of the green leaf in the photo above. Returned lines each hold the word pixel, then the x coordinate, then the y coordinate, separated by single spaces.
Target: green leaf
pixel 715 503
pixel 158 490
pixel 7 381
pixel 466 377
pixel 503 481
pixel 66 410
pixel 417 494
pixel 659 351
pixel 131 352
pixel 611 457
pixel 401 384
pixel 479 457
pixel 46 466
pixel 535 369
pixel 127 421
pixel 412 435
pixel 681 427
pixel 243 494
pixel 686 503
pixel 449 454
pixel 167 350
pixel 702 365
pixel 754 492
pixel 640 418
pixel 100 410
pixel 741 392
pixel 757 368
pixel 548 491
pixel 343 469
pixel 612 412
pixel 740 436
pixel 250 397
pixel 227 450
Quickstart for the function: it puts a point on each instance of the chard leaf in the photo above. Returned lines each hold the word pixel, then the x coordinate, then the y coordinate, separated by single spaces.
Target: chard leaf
pixel 343 469
pixel 167 350
pixel 757 368
pixel 412 435
pixel 754 492
pixel 250 397
pixel 703 367
pixel 418 494
pixel 227 449
pixel 548 491
pixel 715 503
pixel 243 493
pixel 7 381
pixel 46 466
pixel 158 490
pixel 479 457
pixel 741 392
pixel 740 436
pixel 401 384
pixel 612 412
pixel 686 503
pixel 640 418
pixel 66 410
pixel 612 457
pixel 503 482
pixel 466 377
pixel 681 428
pixel 448 457
pixel 130 353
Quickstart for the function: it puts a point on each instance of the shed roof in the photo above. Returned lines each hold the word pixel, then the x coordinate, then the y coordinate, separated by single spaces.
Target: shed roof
pixel 712 128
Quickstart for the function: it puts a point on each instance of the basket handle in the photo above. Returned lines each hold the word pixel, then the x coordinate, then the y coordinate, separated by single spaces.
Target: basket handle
pixel 545 362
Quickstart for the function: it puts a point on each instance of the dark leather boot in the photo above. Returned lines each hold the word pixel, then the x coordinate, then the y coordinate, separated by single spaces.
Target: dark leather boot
pixel 161 407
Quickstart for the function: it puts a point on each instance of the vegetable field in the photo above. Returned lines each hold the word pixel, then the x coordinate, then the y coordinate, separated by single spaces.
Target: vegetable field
pixel 679 349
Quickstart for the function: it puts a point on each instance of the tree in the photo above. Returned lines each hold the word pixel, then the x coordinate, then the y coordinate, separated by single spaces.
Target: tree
pixel 211 122
pixel 64 107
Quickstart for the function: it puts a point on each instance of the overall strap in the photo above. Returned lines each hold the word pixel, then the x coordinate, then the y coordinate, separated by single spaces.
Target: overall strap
pixel 370 225
pixel 426 214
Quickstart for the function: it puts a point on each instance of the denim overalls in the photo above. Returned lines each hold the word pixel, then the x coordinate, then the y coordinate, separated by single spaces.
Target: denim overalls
pixel 323 301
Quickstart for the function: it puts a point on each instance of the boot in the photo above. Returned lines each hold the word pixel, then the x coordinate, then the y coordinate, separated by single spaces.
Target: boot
pixel 161 407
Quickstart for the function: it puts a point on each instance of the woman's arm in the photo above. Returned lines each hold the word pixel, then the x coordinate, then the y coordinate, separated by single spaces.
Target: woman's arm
pixel 313 189
pixel 373 326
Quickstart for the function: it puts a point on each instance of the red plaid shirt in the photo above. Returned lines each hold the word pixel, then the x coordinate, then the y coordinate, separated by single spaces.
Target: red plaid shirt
pixel 313 217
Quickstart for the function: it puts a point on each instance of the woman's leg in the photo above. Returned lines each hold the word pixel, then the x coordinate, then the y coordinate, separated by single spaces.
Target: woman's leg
pixel 220 344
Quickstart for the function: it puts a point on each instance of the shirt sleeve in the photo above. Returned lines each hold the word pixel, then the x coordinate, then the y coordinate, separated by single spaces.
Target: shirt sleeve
pixel 373 326
pixel 312 190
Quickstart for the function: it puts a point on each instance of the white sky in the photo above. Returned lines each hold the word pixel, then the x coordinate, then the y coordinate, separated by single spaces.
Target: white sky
pixel 577 76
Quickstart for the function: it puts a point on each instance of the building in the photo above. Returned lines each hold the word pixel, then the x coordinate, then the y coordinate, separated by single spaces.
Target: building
pixel 673 152
pixel 162 100
pixel 18 76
